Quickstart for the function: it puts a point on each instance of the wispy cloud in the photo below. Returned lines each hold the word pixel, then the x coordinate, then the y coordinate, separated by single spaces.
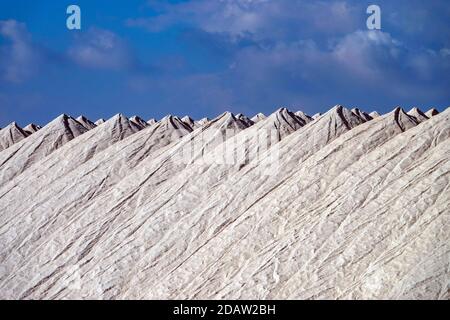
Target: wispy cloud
pixel 101 49
pixel 19 57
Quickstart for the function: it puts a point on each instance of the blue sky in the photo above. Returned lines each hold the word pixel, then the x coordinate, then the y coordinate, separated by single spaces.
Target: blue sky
pixel 202 57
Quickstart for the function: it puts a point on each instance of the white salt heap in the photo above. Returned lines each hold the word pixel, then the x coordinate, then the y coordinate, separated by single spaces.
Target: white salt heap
pixel 343 206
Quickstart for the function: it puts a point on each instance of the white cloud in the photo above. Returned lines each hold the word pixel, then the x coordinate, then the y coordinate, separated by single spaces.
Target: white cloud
pixel 18 57
pixel 260 19
pixel 101 49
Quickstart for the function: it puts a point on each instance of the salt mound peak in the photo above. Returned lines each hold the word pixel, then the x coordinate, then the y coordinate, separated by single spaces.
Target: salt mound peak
pixel 245 119
pixel 227 120
pixel 431 113
pixel 120 126
pixel 258 117
pixel 171 122
pixel 67 123
pixel 374 114
pixel 11 134
pixel 141 123
pixel 152 121
pixel 284 121
pixel 189 121
pixel 99 121
pixel 88 124
pixel 32 128
pixel 317 115
pixel 202 121
pixel 363 115
pixel 403 119
pixel 306 118
pixel 339 116
pixel 418 114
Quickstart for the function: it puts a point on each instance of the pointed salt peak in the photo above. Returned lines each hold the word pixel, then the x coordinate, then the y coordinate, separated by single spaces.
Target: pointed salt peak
pixel 317 115
pixel 32 128
pixel 139 121
pixel 416 110
pixel 284 120
pixel 338 109
pixel 136 118
pixel 122 123
pixel 187 118
pixel 246 120
pixel 258 117
pixel 167 118
pixel 82 118
pixel 399 112
pixel 227 115
pixel 174 122
pixel 304 117
pixel 403 119
pixel 64 117
pixel 119 117
pixel 61 119
pixel 431 113
pixel 151 121
pixel 88 124
pixel 419 114
pixel 282 110
pixel 13 125
pixel 343 116
pixel 203 120
pixel 284 113
pixel 302 114
pixel 362 114
pixel 374 114
pixel 66 122
pixel 99 121
pixel 189 121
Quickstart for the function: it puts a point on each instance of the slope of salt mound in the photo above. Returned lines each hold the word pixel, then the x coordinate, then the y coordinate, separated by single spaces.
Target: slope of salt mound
pixel 11 135
pixel 110 165
pixel 202 122
pixel 180 200
pixel 284 121
pixel 374 114
pixel 431 113
pixel 32 128
pixel 418 114
pixel 245 119
pixel 233 201
pixel 100 121
pixel 350 220
pixel 190 122
pixel 316 116
pixel 85 122
pixel 152 121
pixel 271 236
pixel 258 117
pixel 25 153
pixel 363 115
pixel 139 122
pixel 175 123
pixel 305 118
pixel 75 153
pixel 403 119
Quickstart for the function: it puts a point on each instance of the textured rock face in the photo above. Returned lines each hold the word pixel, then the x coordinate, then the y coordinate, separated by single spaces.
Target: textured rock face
pixel 340 207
